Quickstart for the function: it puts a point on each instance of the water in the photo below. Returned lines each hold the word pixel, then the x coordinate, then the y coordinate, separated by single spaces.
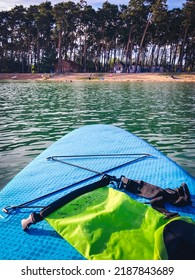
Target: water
pixel 34 115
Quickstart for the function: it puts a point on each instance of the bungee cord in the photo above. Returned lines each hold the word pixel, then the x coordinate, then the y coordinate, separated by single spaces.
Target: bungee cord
pixel 9 209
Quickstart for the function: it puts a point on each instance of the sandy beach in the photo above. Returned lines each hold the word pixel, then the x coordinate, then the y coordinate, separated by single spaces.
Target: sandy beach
pixel 113 77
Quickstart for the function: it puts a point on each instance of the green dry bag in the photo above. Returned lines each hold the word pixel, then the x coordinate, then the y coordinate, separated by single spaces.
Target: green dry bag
pixel 107 224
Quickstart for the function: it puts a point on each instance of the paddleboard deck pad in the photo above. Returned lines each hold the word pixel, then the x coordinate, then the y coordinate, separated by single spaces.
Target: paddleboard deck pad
pixel 99 149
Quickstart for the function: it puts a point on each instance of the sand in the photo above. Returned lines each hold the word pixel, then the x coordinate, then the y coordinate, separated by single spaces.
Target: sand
pixel 113 77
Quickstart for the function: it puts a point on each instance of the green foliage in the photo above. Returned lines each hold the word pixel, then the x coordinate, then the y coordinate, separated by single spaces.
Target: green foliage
pixel 144 32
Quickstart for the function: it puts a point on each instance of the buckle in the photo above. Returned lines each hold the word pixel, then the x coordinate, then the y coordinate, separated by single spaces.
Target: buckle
pixel 122 182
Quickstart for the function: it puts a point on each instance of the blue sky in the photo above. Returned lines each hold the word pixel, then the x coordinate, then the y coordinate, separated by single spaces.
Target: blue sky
pixel 8 4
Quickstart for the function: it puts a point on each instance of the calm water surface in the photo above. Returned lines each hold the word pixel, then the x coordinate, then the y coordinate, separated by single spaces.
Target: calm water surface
pixel 34 115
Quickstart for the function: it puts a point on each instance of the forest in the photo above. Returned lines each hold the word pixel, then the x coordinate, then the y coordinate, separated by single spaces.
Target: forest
pixel 143 33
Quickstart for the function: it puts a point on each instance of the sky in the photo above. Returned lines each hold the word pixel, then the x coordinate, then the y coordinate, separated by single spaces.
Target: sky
pixel 9 4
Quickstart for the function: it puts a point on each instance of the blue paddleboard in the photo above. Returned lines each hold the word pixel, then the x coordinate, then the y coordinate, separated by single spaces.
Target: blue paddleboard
pixel 98 149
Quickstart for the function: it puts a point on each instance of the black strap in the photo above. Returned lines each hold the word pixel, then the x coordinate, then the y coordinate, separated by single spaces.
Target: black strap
pixel 37 217
pixel 74 194
pixel 158 197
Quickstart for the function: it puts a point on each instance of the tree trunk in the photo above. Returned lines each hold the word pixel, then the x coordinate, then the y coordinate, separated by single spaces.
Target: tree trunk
pixel 182 47
pixel 142 41
pixel 152 55
pixel 60 51
pixel 128 49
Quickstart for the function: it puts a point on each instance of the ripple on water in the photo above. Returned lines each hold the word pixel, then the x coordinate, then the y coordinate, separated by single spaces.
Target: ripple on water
pixel 34 115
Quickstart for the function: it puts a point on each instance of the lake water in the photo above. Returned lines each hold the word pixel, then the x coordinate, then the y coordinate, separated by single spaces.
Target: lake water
pixel 34 115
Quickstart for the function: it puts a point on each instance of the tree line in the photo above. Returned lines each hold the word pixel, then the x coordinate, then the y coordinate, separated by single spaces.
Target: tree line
pixel 143 33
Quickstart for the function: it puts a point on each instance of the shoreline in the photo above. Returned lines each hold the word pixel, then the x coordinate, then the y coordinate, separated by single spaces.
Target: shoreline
pixel 108 77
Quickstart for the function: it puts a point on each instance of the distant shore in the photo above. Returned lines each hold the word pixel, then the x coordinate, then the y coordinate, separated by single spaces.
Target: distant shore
pixel 108 77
